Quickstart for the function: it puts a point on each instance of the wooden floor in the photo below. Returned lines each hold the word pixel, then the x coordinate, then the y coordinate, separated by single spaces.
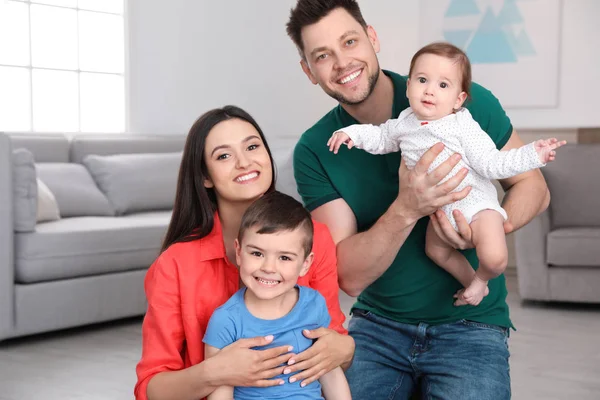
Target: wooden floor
pixel 555 356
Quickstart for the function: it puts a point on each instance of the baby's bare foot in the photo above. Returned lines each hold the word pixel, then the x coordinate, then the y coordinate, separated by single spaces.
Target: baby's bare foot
pixel 473 294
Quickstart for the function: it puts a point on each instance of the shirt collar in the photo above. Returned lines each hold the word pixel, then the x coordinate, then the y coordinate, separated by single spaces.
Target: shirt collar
pixel 212 246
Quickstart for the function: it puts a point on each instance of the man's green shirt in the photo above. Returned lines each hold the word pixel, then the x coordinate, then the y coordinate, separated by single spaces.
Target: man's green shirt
pixel 413 289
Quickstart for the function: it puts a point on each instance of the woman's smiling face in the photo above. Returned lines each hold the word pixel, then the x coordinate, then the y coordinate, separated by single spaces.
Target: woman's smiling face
pixel 238 164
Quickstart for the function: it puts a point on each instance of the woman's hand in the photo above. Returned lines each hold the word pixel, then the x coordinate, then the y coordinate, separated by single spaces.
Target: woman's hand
pixel 251 367
pixel 330 351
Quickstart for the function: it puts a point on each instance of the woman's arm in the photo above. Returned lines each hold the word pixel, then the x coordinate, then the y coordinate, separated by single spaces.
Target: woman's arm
pixel 161 373
pixel 335 386
pixel 323 276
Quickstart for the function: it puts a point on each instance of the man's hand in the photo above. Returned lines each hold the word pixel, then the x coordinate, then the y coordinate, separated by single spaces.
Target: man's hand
pixel 463 239
pixel 330 351
pixel 420 193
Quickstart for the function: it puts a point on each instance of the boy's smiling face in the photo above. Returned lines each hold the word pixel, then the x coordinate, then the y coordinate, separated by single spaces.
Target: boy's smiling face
pixel 270 264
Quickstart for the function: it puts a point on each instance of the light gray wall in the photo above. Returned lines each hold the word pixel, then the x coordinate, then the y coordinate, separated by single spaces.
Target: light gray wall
pixel 187 56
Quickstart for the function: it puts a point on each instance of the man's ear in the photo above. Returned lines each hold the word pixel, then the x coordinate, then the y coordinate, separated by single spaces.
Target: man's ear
pixel 460 100
pixel 307 263
pixel 307 71
pixel 373 38
pixel 238 251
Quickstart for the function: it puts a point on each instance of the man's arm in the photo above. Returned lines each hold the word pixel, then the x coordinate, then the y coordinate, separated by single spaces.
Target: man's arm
pixel 526 194
pixel 364 257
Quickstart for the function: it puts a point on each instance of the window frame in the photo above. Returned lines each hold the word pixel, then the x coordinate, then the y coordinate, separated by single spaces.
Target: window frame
pixel 78 71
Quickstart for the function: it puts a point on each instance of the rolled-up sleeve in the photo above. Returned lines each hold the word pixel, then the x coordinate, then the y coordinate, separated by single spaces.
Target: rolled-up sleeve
pixel 162 329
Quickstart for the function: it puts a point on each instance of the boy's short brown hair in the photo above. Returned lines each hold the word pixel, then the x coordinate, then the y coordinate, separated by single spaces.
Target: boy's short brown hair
pixel 278 212
pixel 308 12
pixel 450 51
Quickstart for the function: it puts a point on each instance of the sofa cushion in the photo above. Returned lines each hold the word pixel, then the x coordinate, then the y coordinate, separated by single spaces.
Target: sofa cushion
pixel 136 182
pixel 47 207
pixel 574 186
pixel 576 247
pixel 110 144
pixel 84 246
pixel 24 190
pixel 74 189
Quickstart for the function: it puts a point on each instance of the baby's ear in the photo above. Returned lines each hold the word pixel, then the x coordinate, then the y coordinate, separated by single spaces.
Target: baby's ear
pixel 460 100
pixel 306 265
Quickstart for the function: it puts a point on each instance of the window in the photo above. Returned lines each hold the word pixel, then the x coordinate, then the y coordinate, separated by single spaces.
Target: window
pixel 62 66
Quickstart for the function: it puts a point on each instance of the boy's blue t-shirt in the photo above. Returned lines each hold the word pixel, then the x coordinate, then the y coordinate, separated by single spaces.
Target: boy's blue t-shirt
pixel 232 321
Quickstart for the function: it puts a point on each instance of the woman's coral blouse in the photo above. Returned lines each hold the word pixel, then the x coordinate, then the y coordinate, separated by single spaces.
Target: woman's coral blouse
pixel 190 280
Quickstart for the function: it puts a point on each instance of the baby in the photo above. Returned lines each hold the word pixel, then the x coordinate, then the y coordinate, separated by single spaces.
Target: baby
pixel 438 84
pixel 273 249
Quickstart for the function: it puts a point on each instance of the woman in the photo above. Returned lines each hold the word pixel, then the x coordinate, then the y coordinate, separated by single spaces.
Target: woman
pixel 226 165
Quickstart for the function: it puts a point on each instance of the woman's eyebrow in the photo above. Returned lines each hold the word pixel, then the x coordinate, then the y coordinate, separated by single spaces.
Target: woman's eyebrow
pixel 226 146
pixel 250 138
pixel 223 146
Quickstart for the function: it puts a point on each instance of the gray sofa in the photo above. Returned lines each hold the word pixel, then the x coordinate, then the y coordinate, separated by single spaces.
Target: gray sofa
pixel 558 253
pixel 114 195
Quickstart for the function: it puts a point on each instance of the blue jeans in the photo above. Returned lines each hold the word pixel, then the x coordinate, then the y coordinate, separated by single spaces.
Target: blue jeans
pixel 463 360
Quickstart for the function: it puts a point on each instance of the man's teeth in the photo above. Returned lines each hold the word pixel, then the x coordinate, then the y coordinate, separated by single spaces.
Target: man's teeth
pixel 351 77
pixel 267 282
pixel 247 177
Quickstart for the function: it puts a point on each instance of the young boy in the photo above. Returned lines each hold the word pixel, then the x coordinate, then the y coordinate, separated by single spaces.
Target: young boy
pixel 438 85
pixel 273 249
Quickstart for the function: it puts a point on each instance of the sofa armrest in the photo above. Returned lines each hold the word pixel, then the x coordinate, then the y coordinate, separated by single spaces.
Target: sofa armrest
pixel 530 253
pixel 7 279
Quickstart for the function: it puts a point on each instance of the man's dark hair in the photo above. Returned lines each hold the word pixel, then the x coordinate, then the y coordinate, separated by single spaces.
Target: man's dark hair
pixel 278 212
pixel 308 12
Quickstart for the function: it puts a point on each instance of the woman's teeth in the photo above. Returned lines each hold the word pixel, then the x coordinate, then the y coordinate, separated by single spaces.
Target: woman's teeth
pixel 247 177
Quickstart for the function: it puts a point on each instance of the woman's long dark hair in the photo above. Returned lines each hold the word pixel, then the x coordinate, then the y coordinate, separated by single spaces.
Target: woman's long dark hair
pixel 193 211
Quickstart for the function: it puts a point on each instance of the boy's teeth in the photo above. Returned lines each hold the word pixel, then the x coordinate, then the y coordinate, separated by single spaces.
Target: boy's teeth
pixel 267 282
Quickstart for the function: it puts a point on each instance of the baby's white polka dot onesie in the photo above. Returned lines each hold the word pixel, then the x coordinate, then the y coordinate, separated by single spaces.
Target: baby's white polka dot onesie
pixel 460 134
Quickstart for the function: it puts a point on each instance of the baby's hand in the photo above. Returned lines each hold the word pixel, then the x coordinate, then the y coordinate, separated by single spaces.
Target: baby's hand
pixel 337 139
pixel 545 148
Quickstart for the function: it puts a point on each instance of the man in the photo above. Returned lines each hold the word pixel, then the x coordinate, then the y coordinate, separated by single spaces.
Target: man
pixel 406 328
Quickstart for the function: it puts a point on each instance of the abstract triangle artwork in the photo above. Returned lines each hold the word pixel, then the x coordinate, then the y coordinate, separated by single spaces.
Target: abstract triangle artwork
pixel 489 43
pixel 459 8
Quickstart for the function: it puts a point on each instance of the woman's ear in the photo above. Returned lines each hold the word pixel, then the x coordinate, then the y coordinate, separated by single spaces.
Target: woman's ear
pixel 306 265
pixel 460 100
pixel 208 183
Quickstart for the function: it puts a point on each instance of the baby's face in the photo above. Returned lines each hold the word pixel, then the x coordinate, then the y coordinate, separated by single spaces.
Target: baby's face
pixel 270 264
pixel 434 89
